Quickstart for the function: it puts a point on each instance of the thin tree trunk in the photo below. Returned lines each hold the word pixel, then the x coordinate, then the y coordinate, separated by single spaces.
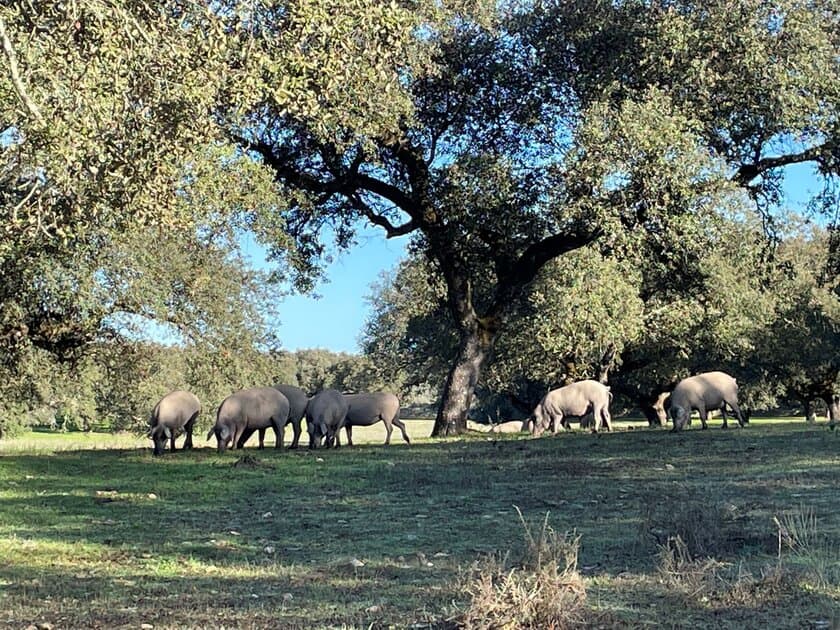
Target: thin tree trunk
pixel 459 391
pixel 833 411
pixel 810 414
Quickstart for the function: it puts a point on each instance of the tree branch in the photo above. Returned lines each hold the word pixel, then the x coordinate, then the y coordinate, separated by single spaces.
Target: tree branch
pixel 382 221
pixel 534 258
pixel 389 192
pixel 16 80
pixel 347 184
pixel 748 172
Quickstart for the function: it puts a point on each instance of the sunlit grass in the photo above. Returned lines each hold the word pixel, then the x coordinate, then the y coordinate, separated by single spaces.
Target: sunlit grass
pixel 95 531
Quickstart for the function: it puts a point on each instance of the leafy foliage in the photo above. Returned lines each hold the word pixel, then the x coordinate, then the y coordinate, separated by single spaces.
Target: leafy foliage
pixel 633 124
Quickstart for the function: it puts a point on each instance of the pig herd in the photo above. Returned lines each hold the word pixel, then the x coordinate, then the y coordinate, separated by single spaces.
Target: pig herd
pixel 255 410
pixel 258 409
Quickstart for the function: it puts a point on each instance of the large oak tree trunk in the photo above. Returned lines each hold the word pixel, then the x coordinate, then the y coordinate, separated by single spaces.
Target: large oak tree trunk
pixel 459 390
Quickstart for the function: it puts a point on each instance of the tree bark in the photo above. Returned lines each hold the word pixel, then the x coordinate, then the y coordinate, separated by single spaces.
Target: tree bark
pixel 810 414
pixel 459 391
pixel 833 403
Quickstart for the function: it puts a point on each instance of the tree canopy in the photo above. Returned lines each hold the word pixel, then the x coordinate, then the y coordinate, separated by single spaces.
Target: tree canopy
pixel 503 137
pixel 556 125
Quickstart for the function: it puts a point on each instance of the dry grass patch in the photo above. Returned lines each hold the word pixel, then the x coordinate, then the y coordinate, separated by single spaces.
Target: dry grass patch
pixel 544 590
pixel 704 528
pixel 805 559
pixel 802 543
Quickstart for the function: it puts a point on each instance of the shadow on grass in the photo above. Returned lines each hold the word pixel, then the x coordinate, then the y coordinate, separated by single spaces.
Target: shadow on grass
pixel 291 598
pixel 193 514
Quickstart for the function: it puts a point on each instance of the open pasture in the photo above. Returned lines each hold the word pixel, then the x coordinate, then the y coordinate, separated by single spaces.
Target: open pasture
pixel 104 535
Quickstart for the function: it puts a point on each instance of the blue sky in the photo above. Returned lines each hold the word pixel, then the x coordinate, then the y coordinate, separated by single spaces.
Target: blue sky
pixel 335 320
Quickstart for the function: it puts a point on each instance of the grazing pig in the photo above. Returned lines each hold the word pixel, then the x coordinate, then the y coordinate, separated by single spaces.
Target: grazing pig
pixel 704 392
pixel 297 409
pixel 364 410
pixel 249 409
pixel 512 426
pixel 174 413
pixel 577 399
pixel 325 416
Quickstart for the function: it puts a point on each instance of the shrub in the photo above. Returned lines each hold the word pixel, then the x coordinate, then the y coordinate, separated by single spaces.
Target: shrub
pixel 544 590
pixel 14 419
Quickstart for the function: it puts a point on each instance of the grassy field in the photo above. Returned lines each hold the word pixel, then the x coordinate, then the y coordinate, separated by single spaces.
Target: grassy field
pixel 95 532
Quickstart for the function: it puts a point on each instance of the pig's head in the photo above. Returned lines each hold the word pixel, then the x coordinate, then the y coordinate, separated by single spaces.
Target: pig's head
pixel 160 435
pixel 317 431
pixel 538 422
pixel 224 437
pixel 679 416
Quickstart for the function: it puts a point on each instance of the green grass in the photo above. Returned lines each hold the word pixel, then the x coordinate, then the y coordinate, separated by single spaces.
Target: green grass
pixel 95 532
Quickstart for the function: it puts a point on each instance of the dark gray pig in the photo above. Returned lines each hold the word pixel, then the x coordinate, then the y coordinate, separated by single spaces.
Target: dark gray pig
pixel 249 409
pixel 174 413
pixel 364 410
pixel 325 415
pixel 297 409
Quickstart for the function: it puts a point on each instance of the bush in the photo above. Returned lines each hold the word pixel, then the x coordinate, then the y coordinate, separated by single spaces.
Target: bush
pixel 544 590
pixel 14 419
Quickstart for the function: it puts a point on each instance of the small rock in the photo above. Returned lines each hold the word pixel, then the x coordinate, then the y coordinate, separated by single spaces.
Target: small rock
pixel 267 515
pixel 441 554
pixel 254 596
pixel 356 563
pixel 669 467
pixel 319 459
pixel 373 609
pixel 233 532
pixel 152 495
pixel 401 559
pixel 45 625
pixel 341 521
pixel 146 626
pixel 268 549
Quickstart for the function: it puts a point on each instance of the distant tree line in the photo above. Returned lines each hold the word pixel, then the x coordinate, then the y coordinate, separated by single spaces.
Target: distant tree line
pixel 113 385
